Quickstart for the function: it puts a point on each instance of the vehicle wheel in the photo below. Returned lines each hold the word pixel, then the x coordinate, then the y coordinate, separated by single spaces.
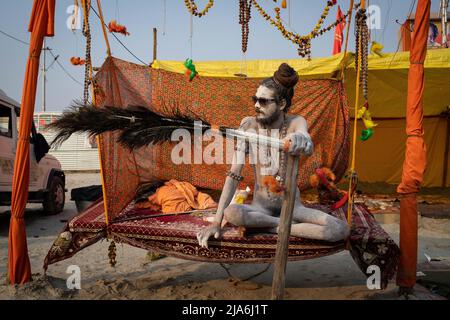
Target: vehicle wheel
pixel 55 198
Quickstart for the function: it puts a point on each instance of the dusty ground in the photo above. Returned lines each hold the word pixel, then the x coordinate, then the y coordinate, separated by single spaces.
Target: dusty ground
pixel 136 277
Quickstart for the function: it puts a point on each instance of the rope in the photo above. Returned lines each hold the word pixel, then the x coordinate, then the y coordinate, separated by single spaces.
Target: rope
pixel 64 69
pixel 14 38
pixel 347 37
pixel 236 280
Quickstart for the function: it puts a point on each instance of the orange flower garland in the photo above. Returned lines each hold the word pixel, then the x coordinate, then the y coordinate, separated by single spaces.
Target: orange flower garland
pixel 303 42
pixel 193 9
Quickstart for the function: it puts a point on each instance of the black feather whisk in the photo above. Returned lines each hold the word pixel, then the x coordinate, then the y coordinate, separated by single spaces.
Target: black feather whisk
pixel 139 126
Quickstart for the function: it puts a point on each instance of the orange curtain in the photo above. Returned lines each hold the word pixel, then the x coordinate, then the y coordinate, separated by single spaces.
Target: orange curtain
pixel 415 155
pixel 405 36
pixel 41 24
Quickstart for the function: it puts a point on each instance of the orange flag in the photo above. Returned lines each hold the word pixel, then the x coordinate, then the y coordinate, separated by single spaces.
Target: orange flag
pixel 338 32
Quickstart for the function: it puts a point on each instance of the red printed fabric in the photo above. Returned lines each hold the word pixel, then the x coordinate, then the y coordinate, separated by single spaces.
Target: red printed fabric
pixel 219 101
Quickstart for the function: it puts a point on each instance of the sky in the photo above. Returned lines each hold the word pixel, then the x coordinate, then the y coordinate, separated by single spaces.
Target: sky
pixel 216 36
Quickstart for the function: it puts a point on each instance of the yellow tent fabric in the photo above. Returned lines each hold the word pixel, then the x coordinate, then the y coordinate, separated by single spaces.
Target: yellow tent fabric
pixel 387 77
pixel 381 157
pixel 259 68
pixel 388 83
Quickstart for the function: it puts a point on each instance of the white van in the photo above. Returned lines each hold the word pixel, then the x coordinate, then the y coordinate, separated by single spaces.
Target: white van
pixel 47 180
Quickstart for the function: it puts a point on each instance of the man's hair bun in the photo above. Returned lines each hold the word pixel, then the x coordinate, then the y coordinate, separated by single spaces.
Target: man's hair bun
pixel 286 76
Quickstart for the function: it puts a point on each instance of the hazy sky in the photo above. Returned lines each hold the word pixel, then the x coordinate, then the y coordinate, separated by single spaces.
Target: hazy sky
pixel 216 36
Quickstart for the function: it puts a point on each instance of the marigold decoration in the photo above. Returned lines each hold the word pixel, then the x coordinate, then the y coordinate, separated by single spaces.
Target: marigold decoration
pixel 191 72
pixel 273 184
pixel 361 62
pixel 365 115
pixel 114 27
pixel 323 179
pixel 244 19
pixel 376 48
pixel 77 61
pixel 193 9
pixel 303 42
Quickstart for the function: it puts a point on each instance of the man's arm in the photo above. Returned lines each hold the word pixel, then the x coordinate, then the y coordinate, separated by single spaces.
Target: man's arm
pixel 300 140
pixel 228 191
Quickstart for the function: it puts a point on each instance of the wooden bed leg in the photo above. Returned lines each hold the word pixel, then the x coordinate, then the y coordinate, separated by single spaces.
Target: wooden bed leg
pixel 281 255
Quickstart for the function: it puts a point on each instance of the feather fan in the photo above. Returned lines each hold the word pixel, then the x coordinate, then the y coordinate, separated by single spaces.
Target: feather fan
pixel 139 126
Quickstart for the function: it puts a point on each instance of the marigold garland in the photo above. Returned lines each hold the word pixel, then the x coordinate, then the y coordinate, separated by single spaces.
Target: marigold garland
pixel 193 9
pixel 303 42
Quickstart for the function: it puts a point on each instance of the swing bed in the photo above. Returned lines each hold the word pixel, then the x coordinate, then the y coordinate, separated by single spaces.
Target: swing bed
pixel 219 100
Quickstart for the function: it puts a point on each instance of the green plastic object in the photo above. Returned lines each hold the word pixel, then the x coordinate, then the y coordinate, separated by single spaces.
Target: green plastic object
pixel 366 134
pixel 189 64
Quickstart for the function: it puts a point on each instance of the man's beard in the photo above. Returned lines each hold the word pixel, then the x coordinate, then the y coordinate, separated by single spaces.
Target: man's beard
pixel 270 119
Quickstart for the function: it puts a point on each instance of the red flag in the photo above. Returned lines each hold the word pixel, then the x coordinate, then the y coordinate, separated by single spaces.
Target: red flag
pixel 338 32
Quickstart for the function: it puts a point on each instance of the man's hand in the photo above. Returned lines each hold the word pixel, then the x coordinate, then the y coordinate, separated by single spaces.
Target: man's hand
pixel 299 143
pixel 206 233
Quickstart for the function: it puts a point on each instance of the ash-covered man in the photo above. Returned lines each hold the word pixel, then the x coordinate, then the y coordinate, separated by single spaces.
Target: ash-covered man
pixel 272 101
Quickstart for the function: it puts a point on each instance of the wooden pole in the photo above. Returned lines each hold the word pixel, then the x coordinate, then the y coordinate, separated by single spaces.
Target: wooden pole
pixel 102 23
pixel 447 142
pixel 155 43
pixel 281 255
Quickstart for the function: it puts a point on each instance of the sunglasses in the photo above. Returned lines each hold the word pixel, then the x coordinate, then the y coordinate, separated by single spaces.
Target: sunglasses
pixel 262 101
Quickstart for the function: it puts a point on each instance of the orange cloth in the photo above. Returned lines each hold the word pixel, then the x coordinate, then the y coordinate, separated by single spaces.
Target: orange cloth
pixel 41 24
pixel 176 196
pixel 415 155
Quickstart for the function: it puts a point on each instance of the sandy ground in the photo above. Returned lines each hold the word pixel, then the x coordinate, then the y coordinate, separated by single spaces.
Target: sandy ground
pixel 137 277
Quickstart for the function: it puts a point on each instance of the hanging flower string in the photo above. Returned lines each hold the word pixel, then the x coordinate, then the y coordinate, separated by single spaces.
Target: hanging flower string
pixel 193 9
pixel 361 54
pixel 244 19
pixel 303 42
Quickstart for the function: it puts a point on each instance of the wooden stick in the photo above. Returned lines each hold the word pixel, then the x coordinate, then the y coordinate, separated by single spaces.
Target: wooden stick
pixel 155 43
pixel 447 142
pixel 281 255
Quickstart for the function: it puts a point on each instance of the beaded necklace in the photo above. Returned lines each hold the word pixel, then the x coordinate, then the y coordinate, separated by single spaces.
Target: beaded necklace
pixel 281 173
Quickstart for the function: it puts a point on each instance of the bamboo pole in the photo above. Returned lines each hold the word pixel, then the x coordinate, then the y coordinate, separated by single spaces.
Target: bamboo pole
pixel 353 161
pixel 98 140
pixel 102 22
pixel 155 44
pixel 284 231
